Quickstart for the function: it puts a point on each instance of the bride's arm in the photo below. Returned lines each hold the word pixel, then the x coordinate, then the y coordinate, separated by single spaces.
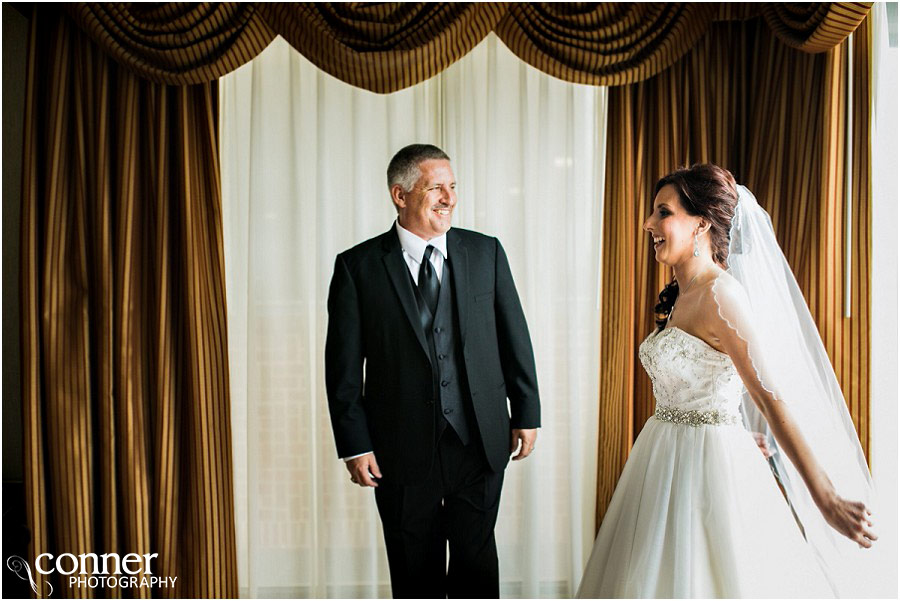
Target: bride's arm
pixel 728 314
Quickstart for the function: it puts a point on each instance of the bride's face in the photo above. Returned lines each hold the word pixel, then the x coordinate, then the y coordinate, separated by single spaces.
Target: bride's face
pixel 671 228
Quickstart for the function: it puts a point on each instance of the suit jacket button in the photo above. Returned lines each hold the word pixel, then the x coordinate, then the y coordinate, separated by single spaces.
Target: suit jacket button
pixel 448 411
pixel 445 383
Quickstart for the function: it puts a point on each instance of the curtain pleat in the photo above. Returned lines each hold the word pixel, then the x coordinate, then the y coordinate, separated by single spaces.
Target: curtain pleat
pixel 775 117
pixel 855 373
pixel 385 47
pixel 127 444
pixel 606 43
pixel 814 26
pixel 176 43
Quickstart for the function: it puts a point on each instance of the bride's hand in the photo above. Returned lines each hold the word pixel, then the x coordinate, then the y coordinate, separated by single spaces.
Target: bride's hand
pixel 850 518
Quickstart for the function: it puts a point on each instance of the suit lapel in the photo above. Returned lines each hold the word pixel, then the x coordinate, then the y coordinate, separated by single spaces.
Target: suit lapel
pixel 399 274
pixel 459 267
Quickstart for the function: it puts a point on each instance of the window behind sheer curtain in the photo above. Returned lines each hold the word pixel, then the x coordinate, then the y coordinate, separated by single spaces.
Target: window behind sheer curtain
pixel 303 159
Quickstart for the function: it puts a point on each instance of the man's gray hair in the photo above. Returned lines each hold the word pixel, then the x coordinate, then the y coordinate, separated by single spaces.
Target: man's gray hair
pixel 403 169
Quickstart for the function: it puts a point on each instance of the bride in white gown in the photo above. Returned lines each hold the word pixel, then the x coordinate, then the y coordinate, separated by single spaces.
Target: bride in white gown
pixel 697 511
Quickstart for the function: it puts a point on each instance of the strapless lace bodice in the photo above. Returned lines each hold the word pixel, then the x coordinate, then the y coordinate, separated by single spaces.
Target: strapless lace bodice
pixel 690 377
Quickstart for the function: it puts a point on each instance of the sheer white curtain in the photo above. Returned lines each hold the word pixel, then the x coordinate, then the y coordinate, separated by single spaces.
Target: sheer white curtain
pixel 303 160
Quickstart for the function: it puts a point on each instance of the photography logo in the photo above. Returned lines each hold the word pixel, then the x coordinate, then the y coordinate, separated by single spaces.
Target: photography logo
pixel 90 570
pixel 19 565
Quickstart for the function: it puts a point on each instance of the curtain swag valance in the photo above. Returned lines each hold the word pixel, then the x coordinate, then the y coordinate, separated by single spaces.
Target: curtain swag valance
pixel 390 46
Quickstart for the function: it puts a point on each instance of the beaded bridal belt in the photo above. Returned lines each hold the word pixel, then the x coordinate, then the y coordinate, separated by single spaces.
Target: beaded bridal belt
pixel 696 418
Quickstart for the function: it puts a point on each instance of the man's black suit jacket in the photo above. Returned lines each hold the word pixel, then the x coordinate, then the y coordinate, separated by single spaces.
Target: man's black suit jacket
pixel 373 321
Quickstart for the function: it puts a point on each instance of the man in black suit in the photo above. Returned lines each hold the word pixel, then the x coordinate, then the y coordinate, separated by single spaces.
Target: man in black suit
pixel 432 316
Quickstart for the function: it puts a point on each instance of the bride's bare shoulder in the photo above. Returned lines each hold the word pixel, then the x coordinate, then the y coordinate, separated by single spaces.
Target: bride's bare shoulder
pixel 725 285
pixel 720 291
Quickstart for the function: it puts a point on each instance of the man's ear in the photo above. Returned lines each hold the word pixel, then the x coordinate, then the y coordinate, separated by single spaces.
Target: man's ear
pixel 398 196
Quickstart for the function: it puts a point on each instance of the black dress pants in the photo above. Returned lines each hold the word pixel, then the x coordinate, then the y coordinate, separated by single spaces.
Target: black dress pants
pixel 457 503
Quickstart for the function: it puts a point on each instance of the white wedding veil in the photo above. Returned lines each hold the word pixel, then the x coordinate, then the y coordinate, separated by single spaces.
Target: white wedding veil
pixel 771 316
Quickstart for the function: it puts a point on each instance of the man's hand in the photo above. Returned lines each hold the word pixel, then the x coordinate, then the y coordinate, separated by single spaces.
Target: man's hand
pixel 527 438
pixel 363 470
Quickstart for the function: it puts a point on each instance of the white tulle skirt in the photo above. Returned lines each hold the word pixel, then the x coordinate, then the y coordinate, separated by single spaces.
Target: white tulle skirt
pixel 697 513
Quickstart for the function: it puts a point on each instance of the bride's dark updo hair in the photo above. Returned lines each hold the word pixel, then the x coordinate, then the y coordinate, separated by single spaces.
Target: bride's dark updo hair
pixel 706 191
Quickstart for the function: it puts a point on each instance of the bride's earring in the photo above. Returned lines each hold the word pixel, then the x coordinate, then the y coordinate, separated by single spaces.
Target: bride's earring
pixel 696 245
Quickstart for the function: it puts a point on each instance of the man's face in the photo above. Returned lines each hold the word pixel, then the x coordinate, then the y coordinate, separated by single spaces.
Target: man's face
pixel 427 209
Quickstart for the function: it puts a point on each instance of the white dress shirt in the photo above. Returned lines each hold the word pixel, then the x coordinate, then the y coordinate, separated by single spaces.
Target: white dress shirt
pixel 413 252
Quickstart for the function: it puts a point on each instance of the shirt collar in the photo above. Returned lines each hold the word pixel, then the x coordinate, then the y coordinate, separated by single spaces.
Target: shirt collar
pixel 415 246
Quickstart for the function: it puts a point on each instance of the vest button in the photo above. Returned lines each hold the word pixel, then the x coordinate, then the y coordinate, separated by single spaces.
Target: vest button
pixel 437 330
pixel 448 411
pixel 445 383
pixel 441 357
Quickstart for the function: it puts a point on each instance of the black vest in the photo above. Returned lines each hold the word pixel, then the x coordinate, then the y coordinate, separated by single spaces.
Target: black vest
pixel 448 371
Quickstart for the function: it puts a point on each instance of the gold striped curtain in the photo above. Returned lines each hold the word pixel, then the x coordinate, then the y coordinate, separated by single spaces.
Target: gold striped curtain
pixel 605 43
pixel 775 117
pixel 380 47
pixel 125 377
pixel 385 47
pixel 814 26
pixel 175 43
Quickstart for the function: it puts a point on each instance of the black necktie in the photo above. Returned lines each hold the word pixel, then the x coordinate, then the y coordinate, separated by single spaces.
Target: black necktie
pixel 429 286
